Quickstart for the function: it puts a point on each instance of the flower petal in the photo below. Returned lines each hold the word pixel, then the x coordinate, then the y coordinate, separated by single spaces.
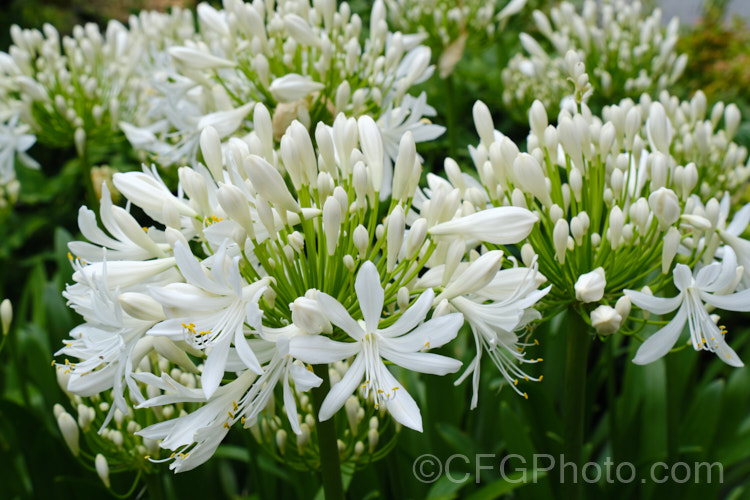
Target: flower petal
pixel 337 315
pixel 659 344
pixel 317 349
pixel 339 393
pixel 213 368
pixel 412 316
pixel 433 333
pixel 656 305
pixel 423 362
pixel 738 301
pixel 401 405
pixel 370 295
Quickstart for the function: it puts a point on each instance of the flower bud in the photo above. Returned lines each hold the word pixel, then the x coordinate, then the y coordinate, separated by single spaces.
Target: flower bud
pixel 560 239
pixel 590 286
pixel 605 320
pixel 416 236
pixel 483 123
pixel 529 174
pixel 538 119
pixel 331 223
pixel 211 149
pixel 622 306
pixel 666 207
pixel 102 469
pixel 291 87
pixel 669 250
pixel 308 317
pixel 6 315
pixel 394 236
pixel 69 431
pixel 236 205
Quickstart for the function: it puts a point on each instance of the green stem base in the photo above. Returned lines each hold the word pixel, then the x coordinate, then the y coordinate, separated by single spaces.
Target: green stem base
pixel 330 465
pixel 575 399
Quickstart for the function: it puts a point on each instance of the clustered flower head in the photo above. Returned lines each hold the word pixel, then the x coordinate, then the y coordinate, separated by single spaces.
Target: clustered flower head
pixel 71 90
pixel 450 25
pixel 272 259
pixel 625 201
pixel 305 63
pixel 627 50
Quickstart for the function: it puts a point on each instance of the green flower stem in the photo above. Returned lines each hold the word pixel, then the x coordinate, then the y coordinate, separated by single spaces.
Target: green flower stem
pixel 330 465
pixel 575 398
pixel 155 486
pixel 450 115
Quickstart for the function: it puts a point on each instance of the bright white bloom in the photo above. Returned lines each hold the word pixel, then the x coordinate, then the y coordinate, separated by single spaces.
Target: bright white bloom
pixel 590 286
pixel 712 285
pixel 399 343
pixel 606 320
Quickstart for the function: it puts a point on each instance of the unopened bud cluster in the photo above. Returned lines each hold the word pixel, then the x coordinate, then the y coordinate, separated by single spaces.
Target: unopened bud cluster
pixel 625 46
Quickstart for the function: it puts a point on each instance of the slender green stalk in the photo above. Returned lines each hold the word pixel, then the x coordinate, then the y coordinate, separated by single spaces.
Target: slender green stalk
pixel 450 115
pixel 574 402
pixel 330 465
pixel 611 399
pixel 155 486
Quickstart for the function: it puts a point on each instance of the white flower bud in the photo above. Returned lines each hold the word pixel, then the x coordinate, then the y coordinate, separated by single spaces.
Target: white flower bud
pixel 361 240
pixel 538 119
pixel 575 181
pixel 605 320
pixel 483 123
pixel 606 138
pixel 560 239
pixel 416 236
pixel 394 236
pixel 475 277
pixel 352 407
pixel 403 298
pixel 236 205
pixel 69 431
pixel 666 207
pixel 6 315
pixel 331 223
pixel 141 306
pixel 454 255
pixel 527 254
pixel 194 58
pixel 291 87
pixel 659 171
pixel 372 148
pixel 211 149
pixel 308 316
pixel 590 286
pixel 267 180
pixel 622 306
pixel 731 120
pixel 658 128
pixel 402 171
pixel 281 440
pixel 102 469
pixel 529 174
pixel 669 250
pixel 576 229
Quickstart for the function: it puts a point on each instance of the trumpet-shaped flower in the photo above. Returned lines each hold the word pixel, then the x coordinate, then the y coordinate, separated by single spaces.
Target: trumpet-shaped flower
pixel 709 286
pixel 398 343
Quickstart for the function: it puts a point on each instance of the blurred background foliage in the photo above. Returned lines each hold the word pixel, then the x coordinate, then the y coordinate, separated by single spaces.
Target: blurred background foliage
pixel 682 408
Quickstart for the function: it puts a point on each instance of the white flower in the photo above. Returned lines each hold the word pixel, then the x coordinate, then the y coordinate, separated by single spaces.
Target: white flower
pixel 14 141
pixel 708 285
pixel 605 320
pixel 210 310
pixel 590 286
pixel 398 343
pixel 197 435
pixel 498 225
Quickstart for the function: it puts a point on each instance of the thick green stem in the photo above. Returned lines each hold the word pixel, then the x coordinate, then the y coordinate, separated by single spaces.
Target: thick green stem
pixel 330 466
pixel 574 402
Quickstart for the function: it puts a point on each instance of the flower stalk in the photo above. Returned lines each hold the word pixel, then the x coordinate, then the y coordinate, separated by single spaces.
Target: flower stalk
pixel 330 465
pixel 575 396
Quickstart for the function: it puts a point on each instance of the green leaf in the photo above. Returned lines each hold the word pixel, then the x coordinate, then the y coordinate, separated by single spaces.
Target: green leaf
pixel 506 485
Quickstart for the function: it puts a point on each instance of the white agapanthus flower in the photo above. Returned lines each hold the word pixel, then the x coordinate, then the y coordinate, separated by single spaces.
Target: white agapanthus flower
pixel 399 343
pixel 712 285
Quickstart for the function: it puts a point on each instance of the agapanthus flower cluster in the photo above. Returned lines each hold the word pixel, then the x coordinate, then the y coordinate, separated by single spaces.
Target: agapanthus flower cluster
pixel 626 49
pixel 450 25
pixel 618 212
pixel 270 261
pixel 72 90
pixel 305 63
